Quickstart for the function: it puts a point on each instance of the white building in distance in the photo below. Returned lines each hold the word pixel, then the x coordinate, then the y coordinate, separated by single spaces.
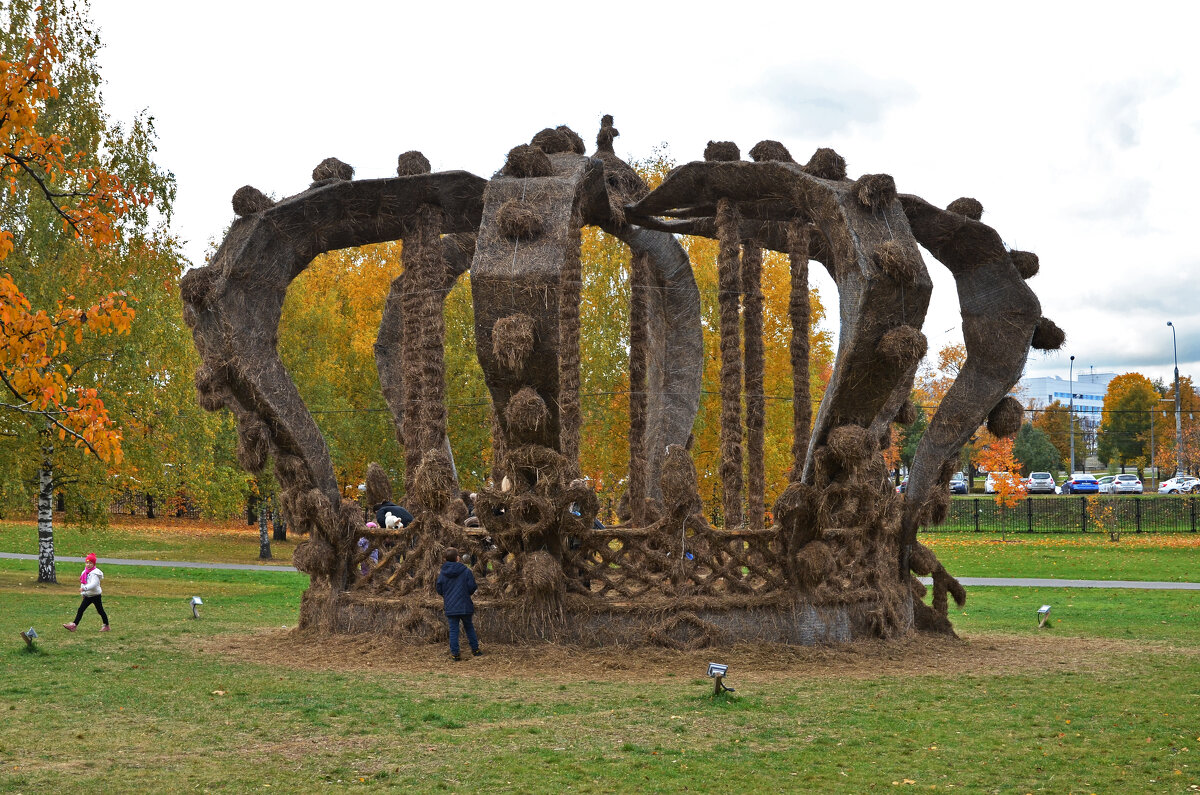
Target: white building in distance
pixel 1087 388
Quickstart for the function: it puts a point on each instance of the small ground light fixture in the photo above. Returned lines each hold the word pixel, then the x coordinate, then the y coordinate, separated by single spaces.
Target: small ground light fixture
pixel 196 602
pixel 30 635
pixel 1043 614
pixel 716 672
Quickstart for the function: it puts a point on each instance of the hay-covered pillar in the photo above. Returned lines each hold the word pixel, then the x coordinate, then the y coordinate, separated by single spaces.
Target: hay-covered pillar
pixel 799 313
pixel 570 291
pixel 752 319
pixel 639 310
pixel 424 425
pixel 729 303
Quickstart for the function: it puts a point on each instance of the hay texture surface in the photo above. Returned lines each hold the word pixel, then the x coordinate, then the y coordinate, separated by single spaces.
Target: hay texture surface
pixel 897 261
pixel 764 151
pixel 248 200
pixel 434 485
pixel 527 161
pixel 332 168
pixel 1048 336
pixel 559 139
pixel 526 412
pixel 1006 418
pixel 967 206
pixel 512 341
pixel 826 164
pixel 719 151
pixel 519 220
pixel 379 486
pixel 1026 262
pixel 903 345
pixel 875 191
pixel 411 164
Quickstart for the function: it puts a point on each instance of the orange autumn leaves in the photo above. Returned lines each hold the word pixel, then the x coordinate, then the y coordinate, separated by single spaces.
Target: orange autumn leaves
pixel 34 343
pixel 997 458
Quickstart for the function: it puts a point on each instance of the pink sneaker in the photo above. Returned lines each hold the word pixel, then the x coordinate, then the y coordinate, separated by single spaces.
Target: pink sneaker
pixel 104 628
pixel 69 627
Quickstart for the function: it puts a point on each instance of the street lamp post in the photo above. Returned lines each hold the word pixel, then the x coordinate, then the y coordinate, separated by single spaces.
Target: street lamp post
pixel 1071 414
pixel 1178 412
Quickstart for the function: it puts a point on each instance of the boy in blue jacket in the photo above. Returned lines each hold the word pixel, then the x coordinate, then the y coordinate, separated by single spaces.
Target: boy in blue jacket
pixel 455 584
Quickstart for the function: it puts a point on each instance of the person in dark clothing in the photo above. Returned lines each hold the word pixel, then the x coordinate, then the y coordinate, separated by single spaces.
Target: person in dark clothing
pixel 402 517
pixel 455 584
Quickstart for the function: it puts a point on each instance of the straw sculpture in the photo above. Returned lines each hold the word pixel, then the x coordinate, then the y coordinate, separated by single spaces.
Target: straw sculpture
pixel 841 557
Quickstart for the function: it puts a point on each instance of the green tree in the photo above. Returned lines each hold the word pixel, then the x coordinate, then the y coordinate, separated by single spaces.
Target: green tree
pixel 910 436
pixel 1054 421
pixel 85 206
pixel 1129 405
pixel 1034 452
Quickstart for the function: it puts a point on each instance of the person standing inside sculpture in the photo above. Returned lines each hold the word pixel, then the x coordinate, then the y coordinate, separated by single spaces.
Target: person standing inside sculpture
pixel 455 584
pixel 89 589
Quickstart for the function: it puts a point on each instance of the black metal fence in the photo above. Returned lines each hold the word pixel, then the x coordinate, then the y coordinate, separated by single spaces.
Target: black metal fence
pixel 1077 514
pixel 149 506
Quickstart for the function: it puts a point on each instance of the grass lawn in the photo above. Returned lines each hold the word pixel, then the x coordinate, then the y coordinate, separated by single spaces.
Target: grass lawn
pixel 159 539
pixel 1104 700
pixel 1171 557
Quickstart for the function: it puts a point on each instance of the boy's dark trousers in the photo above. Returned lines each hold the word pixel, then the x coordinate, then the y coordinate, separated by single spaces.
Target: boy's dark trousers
pixel 472 638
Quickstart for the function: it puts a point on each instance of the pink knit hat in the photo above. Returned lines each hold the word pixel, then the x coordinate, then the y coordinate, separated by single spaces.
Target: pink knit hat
pixel 91 557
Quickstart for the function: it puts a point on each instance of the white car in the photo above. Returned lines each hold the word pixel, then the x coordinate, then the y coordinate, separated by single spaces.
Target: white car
pixel 1180 484
pixel 1126 484
pixel 1041 482
pixel 1106 483
pixel 989 486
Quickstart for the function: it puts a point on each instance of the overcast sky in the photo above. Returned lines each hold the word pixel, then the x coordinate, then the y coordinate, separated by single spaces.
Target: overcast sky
pixel 1076 125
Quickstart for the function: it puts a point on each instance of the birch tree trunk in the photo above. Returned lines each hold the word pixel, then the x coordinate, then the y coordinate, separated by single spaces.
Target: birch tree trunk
pixel 45 520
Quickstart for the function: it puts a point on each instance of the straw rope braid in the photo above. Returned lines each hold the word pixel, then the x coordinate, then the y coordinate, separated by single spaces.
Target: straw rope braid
pixel 799 311
pixel 569 416
pixel 639 311
pixel 752 319
pixel 731 362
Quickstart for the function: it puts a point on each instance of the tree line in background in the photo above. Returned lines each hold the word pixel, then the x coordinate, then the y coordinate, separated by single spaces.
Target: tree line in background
pixel 1136 428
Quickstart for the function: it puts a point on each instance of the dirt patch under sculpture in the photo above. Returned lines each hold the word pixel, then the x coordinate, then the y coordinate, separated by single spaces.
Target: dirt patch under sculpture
pixel 864 659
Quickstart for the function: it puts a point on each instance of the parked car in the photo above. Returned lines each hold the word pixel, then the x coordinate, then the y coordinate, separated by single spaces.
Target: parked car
pixel 1180 484
pixel 1106 484
pixel 989 485
pixel 956 486
pixel 1081 483
pixel 1126 484
pixel 1040 483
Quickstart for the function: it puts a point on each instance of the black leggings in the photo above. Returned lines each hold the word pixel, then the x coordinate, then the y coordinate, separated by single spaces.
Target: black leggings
pixel 92 600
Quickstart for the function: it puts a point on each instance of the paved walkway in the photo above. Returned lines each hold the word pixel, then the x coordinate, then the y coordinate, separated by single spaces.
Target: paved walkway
pixel 1006 582
pixel 180 564
pixel 1034 582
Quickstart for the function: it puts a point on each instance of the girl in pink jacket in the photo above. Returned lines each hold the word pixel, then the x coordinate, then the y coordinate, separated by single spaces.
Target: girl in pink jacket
pixel 89 589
